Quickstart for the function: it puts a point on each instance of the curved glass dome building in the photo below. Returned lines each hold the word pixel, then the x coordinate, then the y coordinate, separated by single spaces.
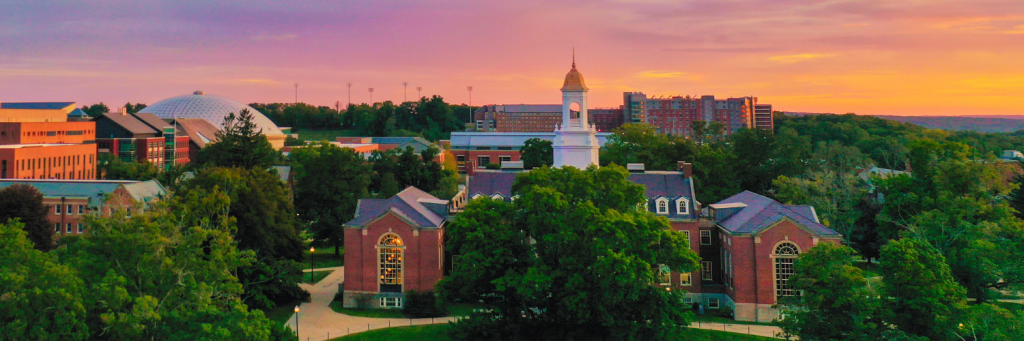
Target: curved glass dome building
pixel 213 109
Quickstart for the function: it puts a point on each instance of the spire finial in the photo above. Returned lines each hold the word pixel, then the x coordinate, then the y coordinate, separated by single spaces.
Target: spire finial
pixel 573 57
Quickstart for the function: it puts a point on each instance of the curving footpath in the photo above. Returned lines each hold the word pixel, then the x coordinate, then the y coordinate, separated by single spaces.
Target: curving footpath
pixel 318 322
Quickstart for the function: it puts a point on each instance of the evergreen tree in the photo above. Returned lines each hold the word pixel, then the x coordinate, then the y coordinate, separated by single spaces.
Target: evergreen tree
pixel 240 144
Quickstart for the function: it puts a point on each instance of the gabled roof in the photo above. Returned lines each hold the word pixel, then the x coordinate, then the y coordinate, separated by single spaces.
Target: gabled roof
pixel 490 182
pixel 413 204
pixel 127 122
pixel 762 212
pixel 284 172
pixel 77 113
pixel 152 121
pixel 198 130
pixel 94 190
pixel 418 144
pixel 36 105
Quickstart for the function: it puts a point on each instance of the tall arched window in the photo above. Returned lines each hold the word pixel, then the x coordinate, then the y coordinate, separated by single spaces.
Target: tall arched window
pixel 389 252
pixel 785 253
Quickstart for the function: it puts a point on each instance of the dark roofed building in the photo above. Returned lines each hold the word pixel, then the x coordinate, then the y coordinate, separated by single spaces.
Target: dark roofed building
pixel 757 239
pixel 140 137
pixel 36 105
pixel 394 245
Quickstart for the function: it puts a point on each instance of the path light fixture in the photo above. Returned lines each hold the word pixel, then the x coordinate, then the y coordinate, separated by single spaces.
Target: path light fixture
pixel 296 321
pixel 311 250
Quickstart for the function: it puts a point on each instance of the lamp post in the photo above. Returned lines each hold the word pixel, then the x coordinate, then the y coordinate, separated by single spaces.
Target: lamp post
pixel 296 322
pixel 419 95
pixel 405 91
pixel 311 250
pixel 371 97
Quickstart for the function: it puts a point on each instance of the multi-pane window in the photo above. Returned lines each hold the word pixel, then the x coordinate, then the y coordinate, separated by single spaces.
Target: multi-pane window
pixel 483 161
pixel 128 212
pixel 705 270
pixel 56 227
pixel 80 229
pixel 705 237
pixel 664 274
pixel 69 227
pixel 390 302
pixel 81 209
pixel 713 303
pixel 784 256
pixel 56 209
pixel 686 234
pixel 662 206
pixel 682 206
pixel 684 279
pixel 69 210
pixel 390 254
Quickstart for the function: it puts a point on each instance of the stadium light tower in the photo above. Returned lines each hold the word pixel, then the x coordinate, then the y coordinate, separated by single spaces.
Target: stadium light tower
pixel 405 91
pixel 296 93
pixel 470 88
pixel 371 96
pixel 349 93
pixel 418 90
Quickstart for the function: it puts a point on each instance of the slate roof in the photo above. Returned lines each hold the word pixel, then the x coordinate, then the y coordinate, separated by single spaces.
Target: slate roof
pixel 36 105
pixel 657 184
pixel 413 204
pixel 464 140
pixel 94 190
pixel 127 122
pixel 284 172
pixel 418 144
pixel 77 113
pixel 761 212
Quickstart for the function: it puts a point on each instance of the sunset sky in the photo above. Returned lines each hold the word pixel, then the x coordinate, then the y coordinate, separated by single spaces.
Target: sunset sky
pixel 901 57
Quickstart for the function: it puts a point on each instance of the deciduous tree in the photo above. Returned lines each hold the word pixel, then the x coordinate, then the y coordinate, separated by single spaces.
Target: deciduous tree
pixel 25 203
pixel 536 153
pixel 329 181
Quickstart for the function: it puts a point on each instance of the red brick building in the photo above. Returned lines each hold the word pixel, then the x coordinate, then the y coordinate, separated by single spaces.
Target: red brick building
pixel 70 200
pixel 673 115
pixel 747 243
pixel 47 132
pixel 606 119
pixel 392 246
pixel 141 138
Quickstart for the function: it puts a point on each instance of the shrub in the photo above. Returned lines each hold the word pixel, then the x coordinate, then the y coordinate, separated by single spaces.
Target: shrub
pixel 493 166
pixel 726 312
pixel 423 304
pixel 339 296
pixel 364 300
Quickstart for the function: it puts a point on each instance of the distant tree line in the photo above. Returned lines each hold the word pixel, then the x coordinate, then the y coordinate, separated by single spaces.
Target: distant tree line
pixel 431 118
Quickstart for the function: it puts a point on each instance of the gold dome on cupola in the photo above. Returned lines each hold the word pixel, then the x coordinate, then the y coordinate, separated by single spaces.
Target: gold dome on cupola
pixel 573 79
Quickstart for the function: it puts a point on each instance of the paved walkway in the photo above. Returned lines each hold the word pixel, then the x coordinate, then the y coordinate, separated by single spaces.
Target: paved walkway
pixel 318 322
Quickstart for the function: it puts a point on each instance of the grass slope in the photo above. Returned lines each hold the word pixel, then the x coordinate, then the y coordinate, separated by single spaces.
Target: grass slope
pixel 317 276
pixel 437 332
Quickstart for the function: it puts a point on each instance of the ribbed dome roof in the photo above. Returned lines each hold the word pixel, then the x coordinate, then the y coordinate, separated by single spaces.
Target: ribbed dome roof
pixel 574 80
pixel 211 108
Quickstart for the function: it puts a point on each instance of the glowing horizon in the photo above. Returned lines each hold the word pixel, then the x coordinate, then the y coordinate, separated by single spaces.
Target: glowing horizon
pixel 880 58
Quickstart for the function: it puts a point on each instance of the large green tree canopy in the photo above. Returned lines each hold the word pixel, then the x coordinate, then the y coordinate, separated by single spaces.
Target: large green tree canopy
pixel 573 257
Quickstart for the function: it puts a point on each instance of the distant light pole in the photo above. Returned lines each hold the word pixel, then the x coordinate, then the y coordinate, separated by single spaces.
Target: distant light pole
pixel 418 90
pixel 296 93
pixel 371 97
pixel 470 88
pixel 349 93
pixel 296 322
pixel 337 106
pixel 405 91
pixel 311 268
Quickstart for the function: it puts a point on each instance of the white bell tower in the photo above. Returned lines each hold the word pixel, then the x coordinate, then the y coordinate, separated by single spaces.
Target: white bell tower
pixel 575 139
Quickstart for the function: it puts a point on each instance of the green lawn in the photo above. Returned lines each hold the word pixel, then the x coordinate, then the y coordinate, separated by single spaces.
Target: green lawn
pixel 465 309
pixel 1013 307
pixel 437 332
pixel 377 313
pixel 282 312
pixel 870 269
pixel 317 276
pixel 325 258
pixel 322 135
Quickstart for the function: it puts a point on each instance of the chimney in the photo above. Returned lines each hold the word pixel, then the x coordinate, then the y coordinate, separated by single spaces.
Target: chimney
pixel 635 167
pixel 123 111
pixel 686 168
pixel 470 167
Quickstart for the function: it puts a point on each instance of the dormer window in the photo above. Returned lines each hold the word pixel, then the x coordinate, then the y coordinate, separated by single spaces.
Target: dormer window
pixel 514 197
pixel 498 197
pixel 475 196
pixel 662 205
pixel 682 206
